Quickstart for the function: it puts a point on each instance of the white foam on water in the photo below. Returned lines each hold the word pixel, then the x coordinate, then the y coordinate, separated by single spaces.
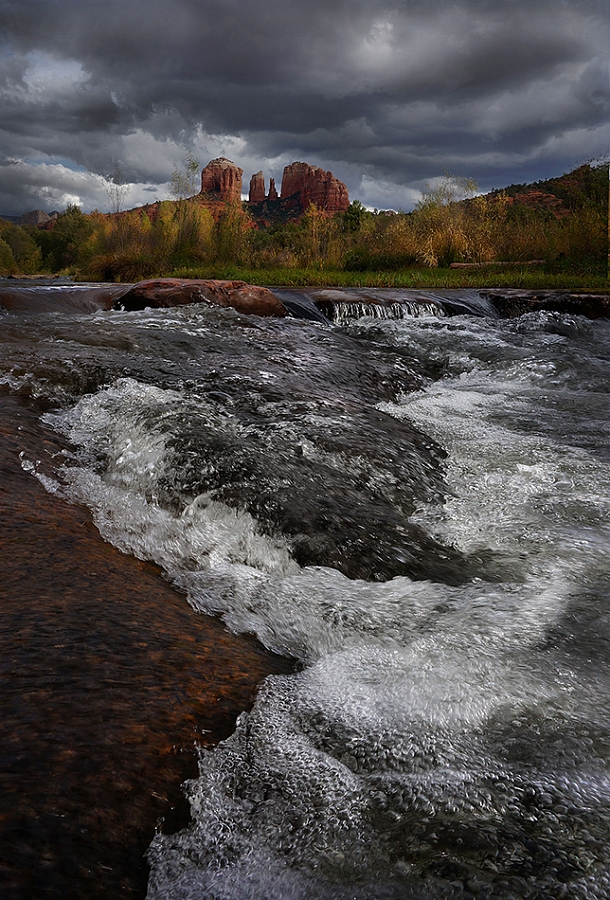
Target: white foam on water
pixel 124 424
pixel 51 485
pixel 512 487
pixel 228 567
pixel 435 744
pixel 543 504
pixel 352 777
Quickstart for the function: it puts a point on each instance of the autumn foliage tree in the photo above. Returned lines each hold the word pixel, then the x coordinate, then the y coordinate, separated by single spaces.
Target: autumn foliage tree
pixel 452 223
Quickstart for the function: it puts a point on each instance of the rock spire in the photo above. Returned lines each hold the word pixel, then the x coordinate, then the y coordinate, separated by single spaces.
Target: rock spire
pixel 257 188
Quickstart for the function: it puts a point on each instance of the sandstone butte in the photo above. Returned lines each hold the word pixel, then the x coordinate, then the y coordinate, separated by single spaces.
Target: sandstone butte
pixel 223 179
pixel 273 194
pixel 257 188
pixel 302 184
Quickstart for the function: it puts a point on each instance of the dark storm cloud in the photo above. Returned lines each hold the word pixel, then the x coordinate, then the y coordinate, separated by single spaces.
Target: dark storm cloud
pixel 384 93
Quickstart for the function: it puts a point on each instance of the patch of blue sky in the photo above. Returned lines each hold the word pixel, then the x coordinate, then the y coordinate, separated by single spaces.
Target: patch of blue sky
pixel 54 161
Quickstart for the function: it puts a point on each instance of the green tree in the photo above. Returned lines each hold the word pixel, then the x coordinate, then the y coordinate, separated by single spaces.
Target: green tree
pixel 439 220
pixel 320 243
pixel 62 245
pixel 184 185
pixel 232 232
pixel 120 248
pixel 185 180
pixel 196 235
pixel 26 254
pixel 8 265
pixel 354 217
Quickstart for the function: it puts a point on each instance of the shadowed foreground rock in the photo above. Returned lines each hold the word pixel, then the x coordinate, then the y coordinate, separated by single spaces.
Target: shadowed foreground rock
pixel 510 303
pixel 107 678
pixel 162 293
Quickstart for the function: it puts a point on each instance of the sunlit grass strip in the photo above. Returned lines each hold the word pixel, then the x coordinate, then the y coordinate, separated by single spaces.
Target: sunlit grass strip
pixel 516 277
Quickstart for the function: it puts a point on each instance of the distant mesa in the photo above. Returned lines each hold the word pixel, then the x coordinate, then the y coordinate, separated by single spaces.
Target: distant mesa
pixel 302 184
pixel 221 182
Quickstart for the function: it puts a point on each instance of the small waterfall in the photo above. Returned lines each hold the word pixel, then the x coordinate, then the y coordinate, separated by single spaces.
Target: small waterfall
pixel 299 305
pixel 463 301
pixel 340 313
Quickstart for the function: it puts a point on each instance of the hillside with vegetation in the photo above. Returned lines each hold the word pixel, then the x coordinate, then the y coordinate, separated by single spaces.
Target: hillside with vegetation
pixel 552 232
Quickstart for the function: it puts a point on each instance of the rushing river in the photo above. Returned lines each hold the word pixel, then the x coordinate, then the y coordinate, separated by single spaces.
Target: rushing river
pixel 416 509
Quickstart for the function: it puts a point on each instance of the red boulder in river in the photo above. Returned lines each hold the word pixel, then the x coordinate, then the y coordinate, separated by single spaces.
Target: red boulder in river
pixel 161 293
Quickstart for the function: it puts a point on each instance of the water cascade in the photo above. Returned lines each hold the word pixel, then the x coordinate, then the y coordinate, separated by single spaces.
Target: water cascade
pixel 411 502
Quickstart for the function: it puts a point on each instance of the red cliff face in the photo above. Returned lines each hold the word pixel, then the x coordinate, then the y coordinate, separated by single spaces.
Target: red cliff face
pixel 313 185
pixel 272 190
pixel 222 178
pixel 257 188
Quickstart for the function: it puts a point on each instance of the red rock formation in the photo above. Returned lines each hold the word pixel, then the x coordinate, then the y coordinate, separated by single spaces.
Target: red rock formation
pixel 162 293
pixel 222 178
pixel 272 195
pixel 257 188
pixel 302 184
pixel 313 185
pixel 541 200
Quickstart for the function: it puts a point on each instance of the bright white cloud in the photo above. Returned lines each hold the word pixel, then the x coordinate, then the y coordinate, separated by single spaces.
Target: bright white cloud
pixel 47 77
pixel 55 186
pixel 387 195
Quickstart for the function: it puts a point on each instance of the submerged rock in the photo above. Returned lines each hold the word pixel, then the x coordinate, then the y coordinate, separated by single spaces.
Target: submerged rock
pixel 108 680
pixel 162 293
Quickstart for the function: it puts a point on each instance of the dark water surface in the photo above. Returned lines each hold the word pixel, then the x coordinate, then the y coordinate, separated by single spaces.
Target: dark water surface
pixel 413 504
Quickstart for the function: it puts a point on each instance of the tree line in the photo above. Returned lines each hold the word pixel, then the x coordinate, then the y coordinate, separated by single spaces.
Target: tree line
pixel 452 223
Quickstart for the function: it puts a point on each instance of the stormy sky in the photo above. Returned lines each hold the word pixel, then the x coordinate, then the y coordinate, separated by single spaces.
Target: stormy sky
pixel 388 95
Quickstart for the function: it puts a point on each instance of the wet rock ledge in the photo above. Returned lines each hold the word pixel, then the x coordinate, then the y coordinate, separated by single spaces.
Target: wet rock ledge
pixel 162 293
pixel 392 303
